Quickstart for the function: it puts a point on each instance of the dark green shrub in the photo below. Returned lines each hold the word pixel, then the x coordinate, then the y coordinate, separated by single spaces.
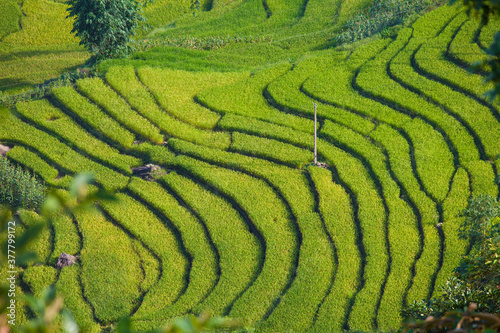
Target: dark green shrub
pixel 477 276
pixel 18 188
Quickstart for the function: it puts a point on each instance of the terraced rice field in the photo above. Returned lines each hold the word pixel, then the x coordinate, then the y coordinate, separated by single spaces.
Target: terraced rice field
pixel 242 225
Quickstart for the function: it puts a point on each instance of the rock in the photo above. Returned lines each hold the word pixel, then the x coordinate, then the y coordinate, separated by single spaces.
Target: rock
pixel 65 260
pixel 146 171
pixel 4 150
pixel 321 165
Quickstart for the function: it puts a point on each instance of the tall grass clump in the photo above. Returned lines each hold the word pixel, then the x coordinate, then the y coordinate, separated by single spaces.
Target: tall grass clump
pixel 18 188
pixel 379 17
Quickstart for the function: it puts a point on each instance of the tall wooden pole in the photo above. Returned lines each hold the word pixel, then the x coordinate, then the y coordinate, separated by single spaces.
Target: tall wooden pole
pixel 315 136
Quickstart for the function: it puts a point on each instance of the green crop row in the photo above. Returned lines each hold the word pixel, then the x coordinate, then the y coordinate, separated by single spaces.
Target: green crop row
pixel 426 265
pixel 286 92
pixel 239 251
pixel 336 210
pixel 123 79
pixel 39 277
pixel 293 186
pixel 271 219
pixel 270 149
pixel 33 162
pixel 463 47
pixel 175 91
pixel 398 151
pixel 68 286
pixel 149 264
pixel 11 16
pixel 487 33
pixel 295 190
pixel 66 238
pixel 430 59
pixel 42 246
pixel 111 272
pixel 428 25
pixel 153 233
pixel 297 308
pixel 291 183
pixel 343 94
pixel 154 153
pixel 264 129
pixel 246 98
pixel 482 178
pixel 203 274
pixel 479 118
pixel 372 218
pixel 46 115
pixel 93 116
pixel 116 107
pixel 391 91
pixel 434 162
pixel 401 223
pixel 12 129
pixel 454 247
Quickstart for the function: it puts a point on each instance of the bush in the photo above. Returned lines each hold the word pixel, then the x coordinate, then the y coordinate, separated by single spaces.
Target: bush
pixel 105 27
pixel 18 188
pixel 477 277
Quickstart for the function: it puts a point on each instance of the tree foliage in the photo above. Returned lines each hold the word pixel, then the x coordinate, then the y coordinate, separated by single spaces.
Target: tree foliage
pixel 106 27
pixel 477 277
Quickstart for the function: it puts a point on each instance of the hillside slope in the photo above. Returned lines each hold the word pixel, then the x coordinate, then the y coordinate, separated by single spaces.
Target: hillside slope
pixel 242 224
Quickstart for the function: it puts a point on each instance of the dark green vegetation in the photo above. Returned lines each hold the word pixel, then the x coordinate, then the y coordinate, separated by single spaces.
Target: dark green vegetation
pixel 18 187
pixel 105 27
pixel 242 224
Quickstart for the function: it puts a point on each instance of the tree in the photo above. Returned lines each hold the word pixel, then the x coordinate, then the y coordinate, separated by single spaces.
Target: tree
pixel 477 277
pixel 106 27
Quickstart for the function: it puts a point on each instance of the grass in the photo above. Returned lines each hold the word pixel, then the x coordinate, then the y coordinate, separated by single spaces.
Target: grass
pixel 245 98
pixel 42 49
pixel 455 248
pixel 286 92
pixel 69 288
pixel 12 15
pixel 14 130
pixel 38 278
pixel 39 166
pixel 431 151
pixel 478 118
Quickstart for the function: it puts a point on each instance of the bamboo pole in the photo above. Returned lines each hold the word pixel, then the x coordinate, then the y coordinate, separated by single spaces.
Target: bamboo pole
pixel 315 136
